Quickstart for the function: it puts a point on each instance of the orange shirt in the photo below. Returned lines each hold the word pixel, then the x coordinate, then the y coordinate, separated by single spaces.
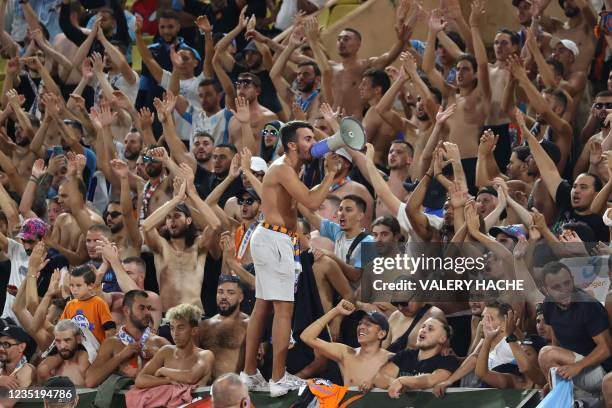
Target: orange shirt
pixel 94 312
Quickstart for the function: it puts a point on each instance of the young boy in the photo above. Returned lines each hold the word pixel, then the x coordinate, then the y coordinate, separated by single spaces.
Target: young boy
pixel 90 311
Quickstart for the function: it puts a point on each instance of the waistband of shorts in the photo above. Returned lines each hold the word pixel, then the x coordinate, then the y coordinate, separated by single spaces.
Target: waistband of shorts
pixel 279 228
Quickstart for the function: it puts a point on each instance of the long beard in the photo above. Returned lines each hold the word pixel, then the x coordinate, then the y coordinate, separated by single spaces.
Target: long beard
pixel 23 142
pixel 117 227
pixel 178 234
pixel 131 155
pixel 307 87
pixel 68 356
pixel 153 171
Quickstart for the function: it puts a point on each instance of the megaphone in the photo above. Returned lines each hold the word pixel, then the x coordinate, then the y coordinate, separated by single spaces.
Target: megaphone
pixel 351 135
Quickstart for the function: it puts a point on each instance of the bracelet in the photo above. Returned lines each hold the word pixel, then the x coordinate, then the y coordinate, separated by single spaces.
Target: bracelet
pixel 34 179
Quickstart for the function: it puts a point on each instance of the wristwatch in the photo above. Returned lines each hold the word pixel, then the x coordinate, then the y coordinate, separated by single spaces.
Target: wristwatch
pixel 511 338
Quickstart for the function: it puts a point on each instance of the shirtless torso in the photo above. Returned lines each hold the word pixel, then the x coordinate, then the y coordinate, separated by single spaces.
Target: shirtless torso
pixel 347 77
pixel 499 78
pixel 180 274
pixel 380 134
pixel 74 368
pixel 225 337
pixel 399 323
pixel 465 125
pixel 358 367
pixel 582 34
pixel 172 358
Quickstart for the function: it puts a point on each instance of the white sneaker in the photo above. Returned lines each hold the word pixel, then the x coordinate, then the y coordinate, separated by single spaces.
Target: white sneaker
pixel 284 385
pixel 254 382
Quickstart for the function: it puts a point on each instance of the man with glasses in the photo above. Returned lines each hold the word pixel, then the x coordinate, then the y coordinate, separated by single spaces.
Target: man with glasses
pixel 15 371
pixel 251 113
pixel 228 391
pixel 594 134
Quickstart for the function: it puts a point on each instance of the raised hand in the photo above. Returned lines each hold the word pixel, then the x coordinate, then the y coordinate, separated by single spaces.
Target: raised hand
pixel 33 63
pixel 234 170
pixel 245 160
pixel 242 113
pixel 52 106
pixel 145 116
pixel 452 152
pixel 76 103
pixel 186 173
pixel 345 308
pixel 97 62
pixel 311 28
pixel 370 152
pixel 38 37
pixel 106 116
pixel 409 65
pixel 478 10
pixel 251 23
pixel 38 168
pixel 120 168
pixel 138 24
pixel 94 116
pixel 472 220
pixel 87 69
pixel 13 66
pixel 538 220
pixel 160 154
pixel 13 98
pixel 203 24
pixel 121 100
pixel 488 141
pixel 520 249
pixel 516 68
pixel 242 20
pixel 331 117
pixel 38 257
pixel 451 9
pixel 297 36
pixel 458 195
pixel 489 331
pixel 595 155
pixel 297 112
pixel 442 116
pixel 436 21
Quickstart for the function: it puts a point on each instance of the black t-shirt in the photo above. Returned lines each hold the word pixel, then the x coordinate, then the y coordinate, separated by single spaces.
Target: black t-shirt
pixel 576 326
pixel 563 200
pixel 410 365
pixel 206 181
pixel 267 97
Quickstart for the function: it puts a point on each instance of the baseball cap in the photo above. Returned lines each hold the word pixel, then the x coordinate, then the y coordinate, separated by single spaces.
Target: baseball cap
pixel 16 333
pixel 250 192
pixel 569 44
pixel 343 153
pixel 514 231
pixel 32 229
pixel 377 318
pixel 258 164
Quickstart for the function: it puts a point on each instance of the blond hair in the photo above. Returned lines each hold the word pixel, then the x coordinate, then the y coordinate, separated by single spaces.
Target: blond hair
pixel 186 312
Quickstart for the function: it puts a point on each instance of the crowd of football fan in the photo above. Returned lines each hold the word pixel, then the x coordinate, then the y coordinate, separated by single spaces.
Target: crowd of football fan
pixel 129 199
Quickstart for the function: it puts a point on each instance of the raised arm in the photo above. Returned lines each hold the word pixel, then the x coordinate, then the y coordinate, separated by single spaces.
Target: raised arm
pixel 436 25
pixel 310 335
pixel 64 63
pixel 403 31
pixel 149 225
pixel 283 88
pixel 548 171
pixel 312 198
pixel 154 68
pixel 83 50
pixel 243 115
pixel 118 59
pixel 480 52
pixel 311 26
pixel 129 218
pixel 178 151
pixel 494 379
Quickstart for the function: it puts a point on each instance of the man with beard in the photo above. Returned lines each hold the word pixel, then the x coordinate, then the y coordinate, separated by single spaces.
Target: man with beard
pixel 421 368
pixel 71 359
pixel 183 363
pixel 358 365
pixel 207 117
pixel 133 144
pixel 273 251
pixel 158 189
pixel 180 252
pixel 133 346
pixel 202 146
pixel 207 181
pixel 32 231
pixel 117 72
pixel 308 80
pixel 15 371
pixel 253 63
pixel 579 27
pixel 471 95
pixel 402 323
pixel 224 334
pixel 94 237
pixel 573 201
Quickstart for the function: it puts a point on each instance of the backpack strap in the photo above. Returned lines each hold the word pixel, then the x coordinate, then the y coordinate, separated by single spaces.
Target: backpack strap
pixel 362 235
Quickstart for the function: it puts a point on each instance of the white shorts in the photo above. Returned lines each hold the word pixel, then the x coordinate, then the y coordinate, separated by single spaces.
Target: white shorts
pixel 272 254
pixel 590 378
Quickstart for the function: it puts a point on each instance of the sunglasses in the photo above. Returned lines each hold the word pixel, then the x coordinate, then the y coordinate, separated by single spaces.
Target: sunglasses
pixel 271 132
pixel 399 304
pixel 607 105
pixel 149 159
pixel 114 214
pixel 243 83
pixel 247 201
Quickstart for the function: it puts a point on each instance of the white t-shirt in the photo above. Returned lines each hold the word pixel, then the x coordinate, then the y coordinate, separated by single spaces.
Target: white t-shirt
pixel 188 89
pixel 19 272
pixel 500 354
pixel 407 230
